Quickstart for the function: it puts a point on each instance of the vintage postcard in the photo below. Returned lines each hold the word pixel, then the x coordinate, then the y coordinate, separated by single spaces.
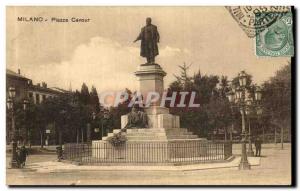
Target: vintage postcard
pixel 149 95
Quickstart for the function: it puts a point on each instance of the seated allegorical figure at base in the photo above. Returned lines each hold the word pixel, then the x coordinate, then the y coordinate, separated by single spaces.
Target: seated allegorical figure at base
pixel 137 119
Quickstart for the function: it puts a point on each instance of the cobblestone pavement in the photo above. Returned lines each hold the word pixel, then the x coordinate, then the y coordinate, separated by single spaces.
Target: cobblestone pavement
pixel 274 169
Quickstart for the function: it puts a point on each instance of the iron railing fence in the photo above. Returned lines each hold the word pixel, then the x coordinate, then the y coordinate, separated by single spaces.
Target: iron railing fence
pixel 177 152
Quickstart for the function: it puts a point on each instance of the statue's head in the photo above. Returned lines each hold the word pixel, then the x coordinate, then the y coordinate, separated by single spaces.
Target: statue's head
pixel 134 109
pixel 148 21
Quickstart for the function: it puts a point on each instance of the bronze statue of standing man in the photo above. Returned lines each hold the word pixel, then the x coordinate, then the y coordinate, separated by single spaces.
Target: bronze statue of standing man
pixel 149 37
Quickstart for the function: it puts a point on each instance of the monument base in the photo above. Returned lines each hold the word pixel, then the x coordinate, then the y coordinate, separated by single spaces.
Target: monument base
pixel 151 146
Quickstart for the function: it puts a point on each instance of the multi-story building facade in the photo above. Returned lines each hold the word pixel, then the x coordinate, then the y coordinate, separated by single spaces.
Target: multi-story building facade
pixel 25 89
pixel 38 93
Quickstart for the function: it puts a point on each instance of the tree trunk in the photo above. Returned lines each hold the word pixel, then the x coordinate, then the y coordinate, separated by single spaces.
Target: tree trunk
pixel 88 133
pixel 275 134
pixel 231 138
pixel 81 135
pixel 42 138
pixel 77 135
pixel 29 143
pixel 263 128
pixel 28 138
pixel 281 137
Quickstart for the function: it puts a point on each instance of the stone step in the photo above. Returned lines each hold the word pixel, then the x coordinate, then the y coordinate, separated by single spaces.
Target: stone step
pixel 155 134
pixel 158 133
pixel 179 133
pixel 145 138
pixel 158 130
pixel 176 130
pixel 146 130
pixel 182 137
pixel 147 134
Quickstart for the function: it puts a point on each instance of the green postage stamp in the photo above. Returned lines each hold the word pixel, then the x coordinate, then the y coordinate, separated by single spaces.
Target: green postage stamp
pixel 277 39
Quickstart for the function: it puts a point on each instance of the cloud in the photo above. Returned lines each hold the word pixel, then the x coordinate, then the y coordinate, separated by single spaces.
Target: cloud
pixel 104 63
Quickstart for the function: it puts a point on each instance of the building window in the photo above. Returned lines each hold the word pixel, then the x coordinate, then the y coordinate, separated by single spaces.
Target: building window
pixel 44 97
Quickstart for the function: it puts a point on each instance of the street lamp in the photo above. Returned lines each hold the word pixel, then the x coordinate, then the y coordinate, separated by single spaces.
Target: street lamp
pixel 11 92
pixel 25 104
pixel 258 93
pixel 242 79
pixel 241 104
pixel 9 103
pixel 10 106
pixel 239 94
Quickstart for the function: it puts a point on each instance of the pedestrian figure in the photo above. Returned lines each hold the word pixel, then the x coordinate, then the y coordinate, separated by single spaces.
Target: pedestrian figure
pixel 59 152
pixel 18 152
pixel 23 155
pixel 257 143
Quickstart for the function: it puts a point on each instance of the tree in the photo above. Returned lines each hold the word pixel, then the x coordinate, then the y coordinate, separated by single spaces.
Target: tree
pixel 205 86
pixel 94 99
pixel 184 81
pixel 219 114
pixel 276 99
pixel 84 94
pixel 195 119
pixel 224 86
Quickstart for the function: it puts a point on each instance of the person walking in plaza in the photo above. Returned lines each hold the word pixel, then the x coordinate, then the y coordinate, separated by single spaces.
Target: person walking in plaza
pixel 257 144
pixel 23 154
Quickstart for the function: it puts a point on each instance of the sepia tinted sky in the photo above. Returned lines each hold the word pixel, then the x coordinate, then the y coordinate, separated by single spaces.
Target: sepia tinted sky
pixel 102 53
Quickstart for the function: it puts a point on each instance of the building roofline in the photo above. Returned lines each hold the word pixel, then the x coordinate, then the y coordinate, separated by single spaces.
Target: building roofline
pixel 15 74
pixel 42 89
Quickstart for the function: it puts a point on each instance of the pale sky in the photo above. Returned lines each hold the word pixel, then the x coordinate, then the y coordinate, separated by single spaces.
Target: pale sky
pixel 102 53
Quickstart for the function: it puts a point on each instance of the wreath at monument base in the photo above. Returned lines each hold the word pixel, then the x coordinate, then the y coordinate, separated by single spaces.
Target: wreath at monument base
pixel 118 139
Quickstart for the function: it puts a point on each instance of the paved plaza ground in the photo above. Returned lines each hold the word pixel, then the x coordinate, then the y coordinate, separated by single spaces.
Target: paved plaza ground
pixel 273 168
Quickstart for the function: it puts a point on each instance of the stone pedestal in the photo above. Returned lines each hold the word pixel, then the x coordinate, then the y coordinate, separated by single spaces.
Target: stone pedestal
pixel 150 79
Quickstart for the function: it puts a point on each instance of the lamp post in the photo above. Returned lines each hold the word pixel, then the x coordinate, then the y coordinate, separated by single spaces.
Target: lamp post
pixel 10 106
pixel 239 99
pixel 25 104
pixel 250 152
pixel 253 104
